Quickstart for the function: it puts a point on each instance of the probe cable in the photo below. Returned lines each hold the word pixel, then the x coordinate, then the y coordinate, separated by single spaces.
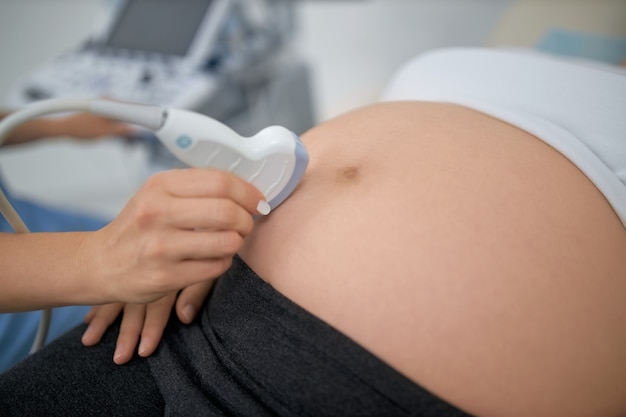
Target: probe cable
pixel 117 110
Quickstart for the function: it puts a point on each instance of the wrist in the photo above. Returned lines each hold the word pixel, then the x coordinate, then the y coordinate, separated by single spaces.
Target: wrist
pixel 89 270
pixel 75 278
pixel 40 270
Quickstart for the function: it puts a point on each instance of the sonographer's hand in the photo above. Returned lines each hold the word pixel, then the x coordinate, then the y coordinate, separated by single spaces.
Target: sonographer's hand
pixel 89 126
pixel 82 126
pixel 143 324
pixel 181 228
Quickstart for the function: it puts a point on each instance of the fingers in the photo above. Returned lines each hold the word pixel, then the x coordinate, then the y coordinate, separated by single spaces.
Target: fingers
pixel 194 245
pixel 190 300
pixel 144 322
pixel 130 329
pixel 157 315
pixel 99 319
pixel 199 182
pixel 208 214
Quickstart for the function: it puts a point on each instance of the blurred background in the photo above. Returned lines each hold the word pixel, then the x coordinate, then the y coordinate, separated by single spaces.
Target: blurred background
pixel 292 62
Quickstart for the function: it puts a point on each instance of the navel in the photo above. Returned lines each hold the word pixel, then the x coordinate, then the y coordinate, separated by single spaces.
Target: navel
pixel 349 173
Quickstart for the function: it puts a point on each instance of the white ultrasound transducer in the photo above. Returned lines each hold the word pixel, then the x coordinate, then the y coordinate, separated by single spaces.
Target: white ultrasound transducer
pixel 273 160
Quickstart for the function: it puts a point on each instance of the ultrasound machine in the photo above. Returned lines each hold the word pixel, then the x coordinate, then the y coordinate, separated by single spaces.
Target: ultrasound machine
pixel 228 59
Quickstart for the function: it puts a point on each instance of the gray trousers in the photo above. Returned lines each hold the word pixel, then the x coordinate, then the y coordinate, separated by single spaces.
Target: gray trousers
pixel 251 352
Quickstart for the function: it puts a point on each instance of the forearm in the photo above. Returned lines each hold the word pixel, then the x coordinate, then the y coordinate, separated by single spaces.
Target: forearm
pixel 78 126
pixel 32 130
pixel 40 270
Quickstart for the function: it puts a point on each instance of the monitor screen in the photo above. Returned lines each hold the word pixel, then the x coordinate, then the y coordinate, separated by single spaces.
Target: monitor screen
pixel 160 26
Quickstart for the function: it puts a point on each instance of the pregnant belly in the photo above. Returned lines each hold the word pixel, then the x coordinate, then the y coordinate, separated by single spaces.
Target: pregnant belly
pixel 464 252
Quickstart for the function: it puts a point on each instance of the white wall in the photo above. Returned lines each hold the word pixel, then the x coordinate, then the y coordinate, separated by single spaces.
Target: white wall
pixel 355 46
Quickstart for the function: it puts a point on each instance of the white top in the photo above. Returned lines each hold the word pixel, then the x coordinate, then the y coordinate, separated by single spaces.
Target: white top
pixel 578 107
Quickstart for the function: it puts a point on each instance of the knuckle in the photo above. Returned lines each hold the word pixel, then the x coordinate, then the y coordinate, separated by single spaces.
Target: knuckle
pixel 152 184
pixel 154 330
pixel 161 280
pixel 128 326
pixel 215 267
pixel 221 182
pixel 145 213
pixel 219 266
pixel 225 263
pixel 230 242
pixel 155 249
pixel 155 181
pixel 226 211
pixel 247 226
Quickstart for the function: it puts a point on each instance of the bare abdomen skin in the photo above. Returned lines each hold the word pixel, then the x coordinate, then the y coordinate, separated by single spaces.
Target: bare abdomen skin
pixel 464 252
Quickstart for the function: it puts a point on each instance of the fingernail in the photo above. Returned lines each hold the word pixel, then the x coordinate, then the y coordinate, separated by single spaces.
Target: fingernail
pixel 118 353
pixel 142 349
pixel 88 332
pixel 189 311
pixel 263 208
